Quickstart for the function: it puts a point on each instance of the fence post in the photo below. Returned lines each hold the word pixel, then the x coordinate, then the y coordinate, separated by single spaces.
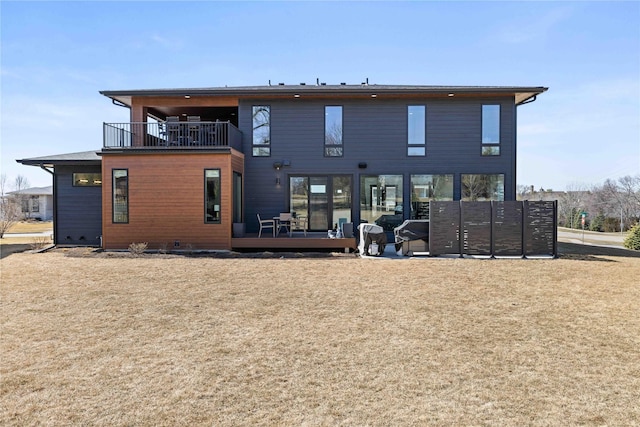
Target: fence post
pixel 461 229
pixel 491 228
pixel 525 216
pixel 555 229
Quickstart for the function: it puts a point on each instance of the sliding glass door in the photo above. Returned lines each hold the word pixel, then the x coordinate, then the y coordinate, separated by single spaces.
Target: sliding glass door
pixel 324 199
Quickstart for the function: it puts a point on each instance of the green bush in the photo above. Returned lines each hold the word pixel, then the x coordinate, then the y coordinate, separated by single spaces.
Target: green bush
pixel 632 241
pixel 597 223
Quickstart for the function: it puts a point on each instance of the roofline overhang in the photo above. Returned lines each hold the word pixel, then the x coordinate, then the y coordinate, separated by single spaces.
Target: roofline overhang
pixel 52 164
pixel 521 94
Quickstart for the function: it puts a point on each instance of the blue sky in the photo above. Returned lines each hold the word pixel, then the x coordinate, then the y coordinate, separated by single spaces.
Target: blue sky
pixel 56 56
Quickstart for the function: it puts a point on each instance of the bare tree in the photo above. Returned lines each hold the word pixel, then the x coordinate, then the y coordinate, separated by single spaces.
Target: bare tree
pixel 9 208
pixel 20 184
pixel 618 201
pixel 570 204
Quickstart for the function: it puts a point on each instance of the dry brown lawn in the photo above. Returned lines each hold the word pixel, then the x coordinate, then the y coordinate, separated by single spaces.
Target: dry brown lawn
pixel 31 227
pixel 162 340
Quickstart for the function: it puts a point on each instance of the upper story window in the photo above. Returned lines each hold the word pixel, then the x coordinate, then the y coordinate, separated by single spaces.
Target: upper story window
pixel 87 179
pixel 416 130
pixel 490 130
pixel 333 131
pixel 261 116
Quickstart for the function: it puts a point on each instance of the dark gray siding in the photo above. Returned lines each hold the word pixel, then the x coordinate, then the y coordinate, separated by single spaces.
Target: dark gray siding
pixel 78 218
pixel 375 132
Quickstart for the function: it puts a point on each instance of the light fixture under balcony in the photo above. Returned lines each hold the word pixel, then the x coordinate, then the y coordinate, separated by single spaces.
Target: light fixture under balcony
pixel 451 94
pixel 374 95
pixel 187 97
pixel 296 95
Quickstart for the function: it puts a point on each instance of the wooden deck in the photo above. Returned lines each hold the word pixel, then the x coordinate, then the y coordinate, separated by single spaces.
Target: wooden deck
pixel 297 242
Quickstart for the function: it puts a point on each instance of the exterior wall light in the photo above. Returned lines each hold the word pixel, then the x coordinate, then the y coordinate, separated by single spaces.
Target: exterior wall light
pixel 277 166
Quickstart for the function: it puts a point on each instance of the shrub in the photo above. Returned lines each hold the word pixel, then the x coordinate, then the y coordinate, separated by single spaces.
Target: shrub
pixel 611 225
pixel 39 243
pixel 632 241
pixel 597 223
pixel 163 248
pixel 138 248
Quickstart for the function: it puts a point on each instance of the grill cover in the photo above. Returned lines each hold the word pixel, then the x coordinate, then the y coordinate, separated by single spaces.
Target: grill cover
pixel 371 236
pixel 411 230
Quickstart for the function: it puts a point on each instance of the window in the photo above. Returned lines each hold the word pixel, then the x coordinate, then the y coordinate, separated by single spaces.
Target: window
pixel 87 179
pixel 212 196
pixel 490 130
pixel 333 131
pixel 120 195
pixel 35 204
pixel 425 188
pixel 261 116
pixel 381 200
pixel 482 187
pixel 30 204
pixel 416 130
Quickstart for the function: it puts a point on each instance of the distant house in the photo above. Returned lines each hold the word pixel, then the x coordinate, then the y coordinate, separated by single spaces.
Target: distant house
pixel 36 202
pixel 190 163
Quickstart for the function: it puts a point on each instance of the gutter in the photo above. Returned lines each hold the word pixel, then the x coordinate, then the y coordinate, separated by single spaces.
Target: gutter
pixel 55 204
pixel 528 101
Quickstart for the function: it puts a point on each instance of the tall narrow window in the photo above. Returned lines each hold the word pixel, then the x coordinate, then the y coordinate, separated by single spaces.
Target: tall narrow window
pixel 416 130
pixel 120 195
pixel 490 130
pixel 261 116
pixel 333 131
pixel 212 196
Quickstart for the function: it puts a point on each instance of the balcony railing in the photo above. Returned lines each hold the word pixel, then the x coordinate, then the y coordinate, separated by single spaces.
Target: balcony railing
pixel 182 135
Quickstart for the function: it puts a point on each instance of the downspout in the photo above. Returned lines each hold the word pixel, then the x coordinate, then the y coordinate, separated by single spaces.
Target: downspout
pixel 55 202
pixel 515 140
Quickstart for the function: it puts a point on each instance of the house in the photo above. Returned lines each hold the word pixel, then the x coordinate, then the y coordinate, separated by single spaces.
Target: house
pixel 36 202
pixel 77 196
pixel 193 162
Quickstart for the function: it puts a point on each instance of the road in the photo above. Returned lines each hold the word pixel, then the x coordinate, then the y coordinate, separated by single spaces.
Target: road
pixel 613 240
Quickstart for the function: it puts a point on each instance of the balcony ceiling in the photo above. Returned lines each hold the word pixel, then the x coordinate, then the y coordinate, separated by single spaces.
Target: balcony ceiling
pixel 206 113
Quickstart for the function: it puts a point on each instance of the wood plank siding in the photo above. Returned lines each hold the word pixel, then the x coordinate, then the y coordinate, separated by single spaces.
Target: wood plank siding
pixel 166 199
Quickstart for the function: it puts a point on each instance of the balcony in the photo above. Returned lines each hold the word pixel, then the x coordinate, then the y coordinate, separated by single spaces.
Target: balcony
pixel 171 135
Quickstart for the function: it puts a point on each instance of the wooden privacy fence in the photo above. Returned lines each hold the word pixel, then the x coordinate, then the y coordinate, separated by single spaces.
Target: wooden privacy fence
pixel 515 228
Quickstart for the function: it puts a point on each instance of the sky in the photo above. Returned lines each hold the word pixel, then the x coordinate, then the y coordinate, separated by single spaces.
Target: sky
pixel 57 56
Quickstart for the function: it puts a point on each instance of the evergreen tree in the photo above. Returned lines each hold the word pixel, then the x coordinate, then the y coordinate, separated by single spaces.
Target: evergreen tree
pixel 632 241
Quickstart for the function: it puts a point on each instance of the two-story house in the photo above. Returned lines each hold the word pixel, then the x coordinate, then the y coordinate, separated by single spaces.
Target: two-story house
pixel 192 162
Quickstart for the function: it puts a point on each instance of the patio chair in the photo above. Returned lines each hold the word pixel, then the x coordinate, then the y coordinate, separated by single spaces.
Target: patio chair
pixel 194 129
pixel 266 223
pixel 299 223
pixel 173 130
pixel 284 221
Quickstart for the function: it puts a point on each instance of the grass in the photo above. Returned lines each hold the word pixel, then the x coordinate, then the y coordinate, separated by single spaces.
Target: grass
pixel 104 339
pixel 31 227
